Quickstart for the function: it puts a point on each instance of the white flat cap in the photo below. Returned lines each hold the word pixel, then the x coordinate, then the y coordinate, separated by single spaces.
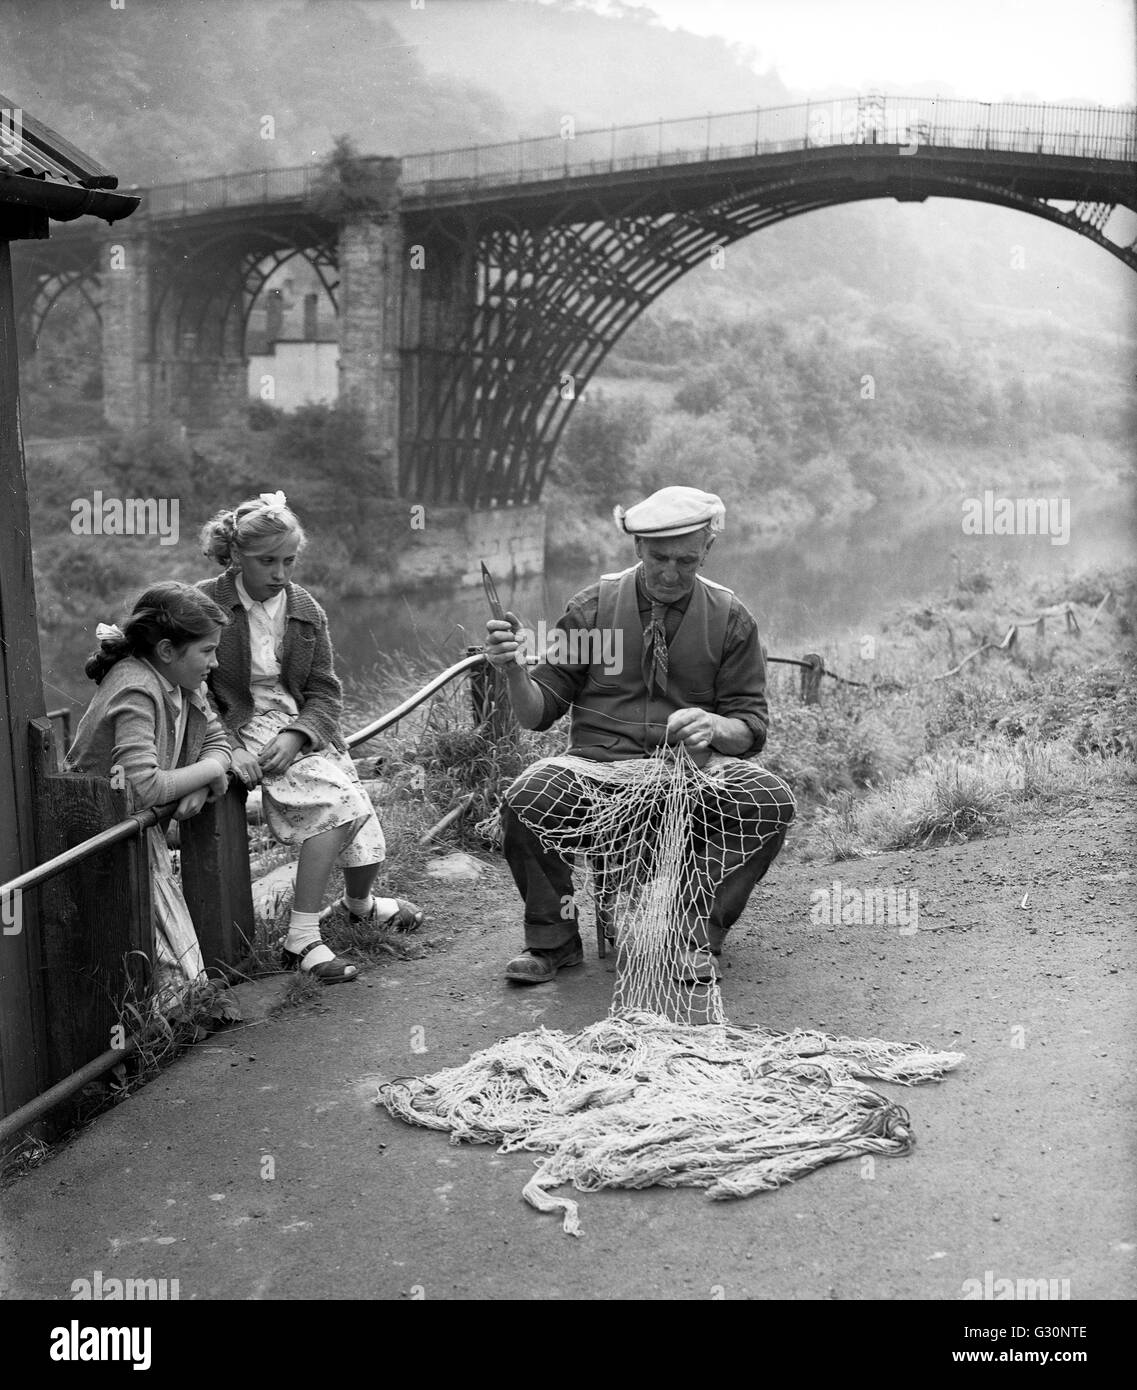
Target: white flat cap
pixel 672 511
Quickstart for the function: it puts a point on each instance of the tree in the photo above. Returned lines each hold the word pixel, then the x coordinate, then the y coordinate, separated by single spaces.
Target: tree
pixel 351 184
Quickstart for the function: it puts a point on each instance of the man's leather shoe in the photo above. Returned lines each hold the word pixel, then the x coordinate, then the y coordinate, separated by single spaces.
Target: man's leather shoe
pixel 536 966
pixel 696 965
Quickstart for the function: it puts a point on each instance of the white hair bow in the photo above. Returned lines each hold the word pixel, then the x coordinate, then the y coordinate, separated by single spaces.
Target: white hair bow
pixel 106 632
pixel 273 501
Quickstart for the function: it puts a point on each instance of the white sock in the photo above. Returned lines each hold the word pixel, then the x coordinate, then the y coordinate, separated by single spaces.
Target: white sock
pixel 359 906
pixel 304 928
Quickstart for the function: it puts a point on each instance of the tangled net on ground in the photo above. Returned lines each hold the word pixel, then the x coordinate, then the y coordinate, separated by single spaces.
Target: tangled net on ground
pixel 664 1091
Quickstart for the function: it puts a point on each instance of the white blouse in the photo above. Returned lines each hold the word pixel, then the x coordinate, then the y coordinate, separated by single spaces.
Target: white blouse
pixel 267 623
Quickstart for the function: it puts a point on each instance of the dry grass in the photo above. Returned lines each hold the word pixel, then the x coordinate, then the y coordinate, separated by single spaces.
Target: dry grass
pixel 959 796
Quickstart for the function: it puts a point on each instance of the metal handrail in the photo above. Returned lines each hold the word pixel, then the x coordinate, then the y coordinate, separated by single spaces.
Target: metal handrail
pixel 136 823
pixel 124 830
pixel 400 711
pixel 35 1109
pixel 142 820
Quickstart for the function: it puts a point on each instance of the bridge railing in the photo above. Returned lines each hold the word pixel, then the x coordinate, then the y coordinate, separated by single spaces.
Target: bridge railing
pixel 231 190
pixel 910 123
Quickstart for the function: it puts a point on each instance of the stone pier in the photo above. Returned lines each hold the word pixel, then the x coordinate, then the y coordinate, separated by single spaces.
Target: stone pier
pixel 447 550
pixel 125 282
pixel 370 258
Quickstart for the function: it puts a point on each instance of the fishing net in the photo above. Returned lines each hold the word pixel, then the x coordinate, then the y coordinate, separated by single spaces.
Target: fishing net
pixel 664 1090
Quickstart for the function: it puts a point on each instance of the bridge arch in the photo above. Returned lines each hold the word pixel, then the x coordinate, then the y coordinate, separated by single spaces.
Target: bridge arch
pixel 541 253
pixel 564 282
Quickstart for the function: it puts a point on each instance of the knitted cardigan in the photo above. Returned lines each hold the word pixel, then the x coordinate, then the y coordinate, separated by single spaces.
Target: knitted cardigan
pixel 306 665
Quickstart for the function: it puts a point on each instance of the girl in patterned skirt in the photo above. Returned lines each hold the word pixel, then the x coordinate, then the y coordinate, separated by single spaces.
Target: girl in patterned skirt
pixel 276 690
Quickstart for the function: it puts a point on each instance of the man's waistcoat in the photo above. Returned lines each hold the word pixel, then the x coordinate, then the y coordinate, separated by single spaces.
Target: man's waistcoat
pixel 614 716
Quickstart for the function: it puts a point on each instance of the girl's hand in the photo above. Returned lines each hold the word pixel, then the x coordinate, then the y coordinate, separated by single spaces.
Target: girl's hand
pixel 280 754
pixel 219 787
pixel 246 768
pixel 191 803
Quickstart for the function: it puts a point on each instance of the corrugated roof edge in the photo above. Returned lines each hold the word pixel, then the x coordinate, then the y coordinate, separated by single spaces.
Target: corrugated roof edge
pixel 86 171
pixel 63 202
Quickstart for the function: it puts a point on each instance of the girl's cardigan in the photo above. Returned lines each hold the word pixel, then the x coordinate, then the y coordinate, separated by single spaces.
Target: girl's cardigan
pixel 306 666
pixel 132 722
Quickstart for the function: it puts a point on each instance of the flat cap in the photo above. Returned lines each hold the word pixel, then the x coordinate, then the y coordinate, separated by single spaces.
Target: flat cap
pixel 672 511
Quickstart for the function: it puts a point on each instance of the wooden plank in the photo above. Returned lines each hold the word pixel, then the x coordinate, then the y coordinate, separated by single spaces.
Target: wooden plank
pixel 96 926
pixel 22 1027
pixel 216 879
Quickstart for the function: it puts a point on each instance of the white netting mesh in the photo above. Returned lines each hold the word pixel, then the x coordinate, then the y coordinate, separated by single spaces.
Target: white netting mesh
pixel 654 838
pixel 664 1091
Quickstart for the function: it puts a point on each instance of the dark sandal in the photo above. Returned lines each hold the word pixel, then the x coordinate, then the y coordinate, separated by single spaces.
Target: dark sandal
pixel 328 972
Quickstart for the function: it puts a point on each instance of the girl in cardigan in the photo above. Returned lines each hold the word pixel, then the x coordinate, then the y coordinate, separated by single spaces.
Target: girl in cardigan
pixel 277 692
pixel 150 719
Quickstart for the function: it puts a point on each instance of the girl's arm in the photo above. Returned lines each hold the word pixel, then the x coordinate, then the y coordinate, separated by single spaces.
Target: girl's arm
pixel 134 714
pixel 322 697
pixel 216 743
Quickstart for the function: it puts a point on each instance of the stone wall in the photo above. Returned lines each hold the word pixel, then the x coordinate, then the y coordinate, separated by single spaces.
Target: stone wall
pixel 452 542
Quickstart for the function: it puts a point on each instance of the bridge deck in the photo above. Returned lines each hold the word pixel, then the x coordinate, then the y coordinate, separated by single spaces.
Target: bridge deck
pixel 1099 134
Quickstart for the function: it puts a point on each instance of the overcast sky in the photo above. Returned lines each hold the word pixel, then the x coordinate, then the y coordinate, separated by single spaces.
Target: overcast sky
pixel 990 49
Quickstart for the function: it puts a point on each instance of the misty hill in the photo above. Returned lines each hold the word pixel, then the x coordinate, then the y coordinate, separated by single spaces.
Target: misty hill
pixel 164 90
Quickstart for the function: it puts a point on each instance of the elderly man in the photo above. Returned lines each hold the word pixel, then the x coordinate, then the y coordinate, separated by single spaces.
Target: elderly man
pixel 689 669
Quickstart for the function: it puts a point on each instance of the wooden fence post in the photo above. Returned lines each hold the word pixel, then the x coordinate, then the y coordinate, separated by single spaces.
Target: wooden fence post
pixel 489 696
pixel 811 678
pixel 216 879
pixel 22 1014
pixel 96 927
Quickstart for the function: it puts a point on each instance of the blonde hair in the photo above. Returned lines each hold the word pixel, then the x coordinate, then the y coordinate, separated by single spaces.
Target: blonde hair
pixel 254 520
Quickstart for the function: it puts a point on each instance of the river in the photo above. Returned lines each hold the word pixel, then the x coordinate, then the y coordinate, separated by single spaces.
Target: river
pixel 807 595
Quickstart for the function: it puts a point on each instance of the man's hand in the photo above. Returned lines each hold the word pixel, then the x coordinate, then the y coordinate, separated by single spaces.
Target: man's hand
pixel 246 768
pixel 502 647
pixel 279 755
pixel 694 727
pixel 191 803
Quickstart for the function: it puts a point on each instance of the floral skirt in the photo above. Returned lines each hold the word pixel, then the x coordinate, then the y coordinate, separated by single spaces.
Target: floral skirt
pixel 319 792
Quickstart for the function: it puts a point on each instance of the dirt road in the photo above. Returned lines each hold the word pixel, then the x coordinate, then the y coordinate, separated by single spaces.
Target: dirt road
pixel 258 1166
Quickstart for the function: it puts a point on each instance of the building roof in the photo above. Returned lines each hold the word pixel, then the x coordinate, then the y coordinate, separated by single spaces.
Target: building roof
pixel 40 170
